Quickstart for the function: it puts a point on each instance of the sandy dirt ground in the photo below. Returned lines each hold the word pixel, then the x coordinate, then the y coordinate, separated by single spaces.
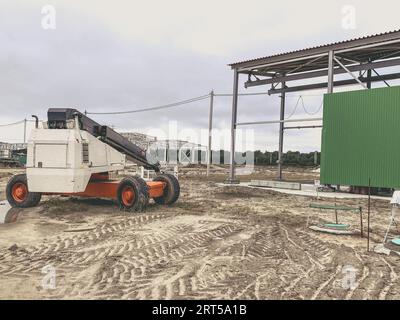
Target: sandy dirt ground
pixel 214 243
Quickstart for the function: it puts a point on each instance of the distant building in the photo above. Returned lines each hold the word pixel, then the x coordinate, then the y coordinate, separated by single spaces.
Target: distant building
pixel 168 151
pixel 140 139
pixel 12 154
pixel 6 148
pixel 178 151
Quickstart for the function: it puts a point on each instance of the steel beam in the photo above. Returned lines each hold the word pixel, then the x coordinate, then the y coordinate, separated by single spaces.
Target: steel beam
pixel 370 45
pixel 255 66
pixel 259 73
pixel 324 73
pixel 340 83
pixel 349 72
pixel 302 127
pixel 376 72
pixel 305 64
pixel 276 121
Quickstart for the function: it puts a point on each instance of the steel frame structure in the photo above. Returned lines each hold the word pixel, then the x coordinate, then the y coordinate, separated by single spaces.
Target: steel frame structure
pixel 362 55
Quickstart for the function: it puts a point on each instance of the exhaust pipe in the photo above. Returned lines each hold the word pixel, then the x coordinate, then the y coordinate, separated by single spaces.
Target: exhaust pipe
pixel 36 121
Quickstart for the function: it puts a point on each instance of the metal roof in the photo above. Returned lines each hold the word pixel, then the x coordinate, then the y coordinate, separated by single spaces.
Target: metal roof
pixel 352 49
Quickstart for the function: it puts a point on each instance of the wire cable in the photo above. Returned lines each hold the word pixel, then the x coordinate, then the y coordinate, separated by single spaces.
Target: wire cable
pixel 295 108
pixel 312 113
pixel 171 105
pixel 241 94
pixel 12 124
pixel 188 101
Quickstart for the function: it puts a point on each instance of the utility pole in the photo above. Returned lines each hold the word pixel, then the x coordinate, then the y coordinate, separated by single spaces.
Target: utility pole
pixel 232 170
pixel 24 130
pixel 167 152
pixel 210 124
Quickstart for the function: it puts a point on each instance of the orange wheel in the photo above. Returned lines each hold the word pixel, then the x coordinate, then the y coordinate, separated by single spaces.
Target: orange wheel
pixel 128 196
pixel 132 194
pixel 19 192
pixel 171 191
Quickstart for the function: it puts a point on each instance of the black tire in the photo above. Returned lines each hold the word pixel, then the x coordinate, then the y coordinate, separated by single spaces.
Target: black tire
pixel 141 194
pixel 28 199
pixel 171 191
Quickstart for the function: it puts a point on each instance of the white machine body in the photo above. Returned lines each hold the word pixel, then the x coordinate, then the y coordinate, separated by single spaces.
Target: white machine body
pixel 63 160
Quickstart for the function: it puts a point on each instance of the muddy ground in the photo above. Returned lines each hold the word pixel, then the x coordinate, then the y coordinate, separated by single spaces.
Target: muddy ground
pixel 215 243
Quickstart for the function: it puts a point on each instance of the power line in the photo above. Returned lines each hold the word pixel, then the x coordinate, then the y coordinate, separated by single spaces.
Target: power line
pixel 241 94
pixel 12 124
pixel 171 105
pixel 188 101
pixel 184 102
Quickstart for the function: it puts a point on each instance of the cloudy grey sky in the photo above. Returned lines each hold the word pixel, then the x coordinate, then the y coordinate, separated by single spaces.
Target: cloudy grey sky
pixel 125 55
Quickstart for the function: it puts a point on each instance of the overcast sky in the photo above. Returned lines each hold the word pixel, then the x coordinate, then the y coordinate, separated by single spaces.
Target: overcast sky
pixel 126 55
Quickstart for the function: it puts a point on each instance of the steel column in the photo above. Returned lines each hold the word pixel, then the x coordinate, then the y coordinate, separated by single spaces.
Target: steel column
pixel 331 71
pixel 281 132
pixel 369 75
pixel 210 123
pixel 232 176
pixel 277 121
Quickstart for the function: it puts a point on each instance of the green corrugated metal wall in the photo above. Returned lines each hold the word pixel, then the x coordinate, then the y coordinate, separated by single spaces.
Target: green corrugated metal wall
pixel 361 137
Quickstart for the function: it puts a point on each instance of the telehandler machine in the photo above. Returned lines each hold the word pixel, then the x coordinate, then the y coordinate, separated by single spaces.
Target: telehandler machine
pixel 73 155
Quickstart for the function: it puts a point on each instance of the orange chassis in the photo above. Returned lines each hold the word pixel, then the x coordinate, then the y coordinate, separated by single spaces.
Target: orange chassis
pixel 100 186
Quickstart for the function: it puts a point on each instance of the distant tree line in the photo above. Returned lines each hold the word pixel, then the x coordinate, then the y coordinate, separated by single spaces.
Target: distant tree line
pixel 293 158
